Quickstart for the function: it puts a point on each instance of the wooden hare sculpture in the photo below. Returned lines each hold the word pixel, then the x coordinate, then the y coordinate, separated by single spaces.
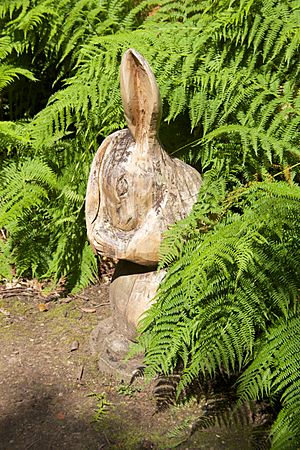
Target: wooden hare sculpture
pixel 135 191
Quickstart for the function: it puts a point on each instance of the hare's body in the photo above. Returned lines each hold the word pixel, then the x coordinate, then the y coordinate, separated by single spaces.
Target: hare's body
pixel 135 194
pixel 135 191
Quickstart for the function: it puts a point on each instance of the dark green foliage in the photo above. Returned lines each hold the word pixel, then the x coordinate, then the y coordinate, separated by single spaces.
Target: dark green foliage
pixel 220 66
pixel 42 210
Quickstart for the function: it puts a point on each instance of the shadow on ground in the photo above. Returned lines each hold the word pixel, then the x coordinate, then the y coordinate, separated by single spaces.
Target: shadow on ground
pixel 38 422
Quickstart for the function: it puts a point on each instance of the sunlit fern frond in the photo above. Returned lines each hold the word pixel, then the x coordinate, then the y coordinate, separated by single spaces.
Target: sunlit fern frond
pixel 275 373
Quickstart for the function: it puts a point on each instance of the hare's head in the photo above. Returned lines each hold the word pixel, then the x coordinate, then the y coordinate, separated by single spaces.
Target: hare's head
pixel 133 182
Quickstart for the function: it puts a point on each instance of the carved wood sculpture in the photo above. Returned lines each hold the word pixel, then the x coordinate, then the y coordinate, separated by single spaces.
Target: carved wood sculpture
pixel 135 191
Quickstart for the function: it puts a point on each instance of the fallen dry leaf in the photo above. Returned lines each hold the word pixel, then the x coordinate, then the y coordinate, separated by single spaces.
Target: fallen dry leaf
pixel 42 307
pixel 88 310
pixel 74 346
pixel 60 415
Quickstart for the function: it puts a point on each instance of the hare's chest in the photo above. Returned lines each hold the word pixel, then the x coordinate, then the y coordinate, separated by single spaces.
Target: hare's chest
pixel 128 186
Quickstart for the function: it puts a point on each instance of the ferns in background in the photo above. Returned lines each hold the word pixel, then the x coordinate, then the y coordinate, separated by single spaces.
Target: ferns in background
pixel 42 210
pixel 232 69
pixel 227 71
pixel 43 218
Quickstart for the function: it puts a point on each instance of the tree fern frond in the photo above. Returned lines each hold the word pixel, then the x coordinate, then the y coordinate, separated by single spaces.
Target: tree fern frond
pixel 8 7
pixel 199 70
pixel 9 73
pixel 5 46
pixel 200 290
pixel 275 371
pixel 6 260
pixel 12 135
pixel 88 270
pixel 34 17
pixel 23 188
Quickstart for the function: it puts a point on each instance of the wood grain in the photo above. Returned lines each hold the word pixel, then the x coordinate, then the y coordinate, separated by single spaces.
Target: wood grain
pixel 135 189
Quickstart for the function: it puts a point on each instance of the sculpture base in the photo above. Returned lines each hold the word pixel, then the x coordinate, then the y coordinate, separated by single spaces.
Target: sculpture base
pixel 131 293
pixel 112 348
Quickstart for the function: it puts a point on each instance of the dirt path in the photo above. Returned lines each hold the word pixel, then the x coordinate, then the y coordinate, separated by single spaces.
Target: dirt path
pixel 45 386
pixel 47 376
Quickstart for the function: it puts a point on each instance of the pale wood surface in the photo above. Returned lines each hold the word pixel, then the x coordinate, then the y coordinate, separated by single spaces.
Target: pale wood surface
pixel 131 293
pixel 135 189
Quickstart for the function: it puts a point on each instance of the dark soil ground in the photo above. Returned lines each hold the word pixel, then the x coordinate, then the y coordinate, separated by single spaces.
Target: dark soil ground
pixel 52 395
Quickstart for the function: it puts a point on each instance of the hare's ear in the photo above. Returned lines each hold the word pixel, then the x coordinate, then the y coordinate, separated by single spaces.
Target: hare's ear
pixel 140 96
